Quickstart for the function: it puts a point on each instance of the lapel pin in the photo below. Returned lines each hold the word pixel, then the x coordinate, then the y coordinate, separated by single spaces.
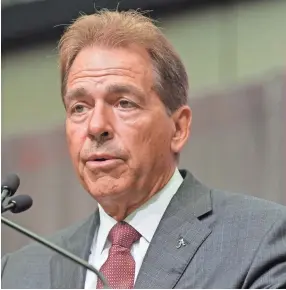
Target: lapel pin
pixel 181 242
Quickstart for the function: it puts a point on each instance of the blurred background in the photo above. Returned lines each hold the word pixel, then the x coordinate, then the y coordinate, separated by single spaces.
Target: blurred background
pixel 234 52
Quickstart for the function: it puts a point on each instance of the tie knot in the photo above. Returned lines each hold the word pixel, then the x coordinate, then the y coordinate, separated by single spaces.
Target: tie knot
pixel 124 235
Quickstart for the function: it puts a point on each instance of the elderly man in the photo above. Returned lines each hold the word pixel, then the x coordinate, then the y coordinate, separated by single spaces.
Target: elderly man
pixel 125 93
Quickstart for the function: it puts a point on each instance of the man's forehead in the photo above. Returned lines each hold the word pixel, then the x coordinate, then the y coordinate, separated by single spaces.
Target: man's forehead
pixel 99 65
pixel 99 59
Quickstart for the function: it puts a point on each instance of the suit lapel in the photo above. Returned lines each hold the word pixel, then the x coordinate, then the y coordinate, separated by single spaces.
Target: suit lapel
pixel 65 273
pixel 178 236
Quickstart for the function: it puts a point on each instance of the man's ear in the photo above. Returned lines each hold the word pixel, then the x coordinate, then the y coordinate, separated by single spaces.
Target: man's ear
pixel 182 119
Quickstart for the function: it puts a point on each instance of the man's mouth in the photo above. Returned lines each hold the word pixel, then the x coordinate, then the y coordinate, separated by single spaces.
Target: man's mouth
pixel 101 159
pixel 102 163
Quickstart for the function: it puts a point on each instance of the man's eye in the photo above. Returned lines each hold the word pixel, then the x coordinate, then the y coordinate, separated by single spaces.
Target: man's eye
pixel 78 109
pixel 125 104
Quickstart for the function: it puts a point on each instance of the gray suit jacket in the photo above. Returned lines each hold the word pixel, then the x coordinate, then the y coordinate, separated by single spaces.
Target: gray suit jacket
pixel 231 241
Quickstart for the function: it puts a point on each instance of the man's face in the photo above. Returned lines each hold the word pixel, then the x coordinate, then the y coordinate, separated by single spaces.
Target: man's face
pixel 119 133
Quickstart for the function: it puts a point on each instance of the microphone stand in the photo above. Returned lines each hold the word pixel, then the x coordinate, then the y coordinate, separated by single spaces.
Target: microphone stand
pixel 55 248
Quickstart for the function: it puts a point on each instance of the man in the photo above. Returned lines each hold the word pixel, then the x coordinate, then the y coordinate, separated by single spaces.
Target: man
pixel 127 119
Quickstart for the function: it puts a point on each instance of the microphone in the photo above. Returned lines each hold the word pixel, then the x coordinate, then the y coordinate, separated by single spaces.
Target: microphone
pixel 18 204
pixel 9 186
pixel 24 202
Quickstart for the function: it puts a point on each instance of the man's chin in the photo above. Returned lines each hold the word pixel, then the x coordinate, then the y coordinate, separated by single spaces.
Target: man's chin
pixel 113 184
pixel 107 187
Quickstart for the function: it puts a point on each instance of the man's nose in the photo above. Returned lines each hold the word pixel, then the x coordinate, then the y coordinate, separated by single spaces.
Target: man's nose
pixel 99 127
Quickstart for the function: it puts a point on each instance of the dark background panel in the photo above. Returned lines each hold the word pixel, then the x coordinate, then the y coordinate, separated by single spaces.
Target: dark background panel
pixel 25 22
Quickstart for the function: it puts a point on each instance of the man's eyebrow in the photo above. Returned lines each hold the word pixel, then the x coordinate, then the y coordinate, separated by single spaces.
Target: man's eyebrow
pixel 125 89
pixel 75 94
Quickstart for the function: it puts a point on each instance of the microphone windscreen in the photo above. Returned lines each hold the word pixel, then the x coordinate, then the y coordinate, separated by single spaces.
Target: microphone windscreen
pixel 21 203
pixel 12 182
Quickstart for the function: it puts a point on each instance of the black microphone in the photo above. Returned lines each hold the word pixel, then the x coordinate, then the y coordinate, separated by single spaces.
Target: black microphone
pixel 18 204
pixel 9 186
pixel 21 203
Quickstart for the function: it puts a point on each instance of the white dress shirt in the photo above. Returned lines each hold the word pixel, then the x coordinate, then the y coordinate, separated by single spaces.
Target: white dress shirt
pixel 145 220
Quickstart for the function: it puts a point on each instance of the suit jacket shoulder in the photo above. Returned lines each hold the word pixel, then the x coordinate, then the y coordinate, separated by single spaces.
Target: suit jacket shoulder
pixel 256 229
pixel 230 241
pixel 32 266
pixel 245 210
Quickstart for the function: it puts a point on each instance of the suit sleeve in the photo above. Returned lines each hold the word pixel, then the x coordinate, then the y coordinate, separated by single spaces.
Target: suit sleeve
pixel 268 268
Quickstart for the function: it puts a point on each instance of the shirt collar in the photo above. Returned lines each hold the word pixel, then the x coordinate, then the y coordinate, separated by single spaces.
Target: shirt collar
pixel 146 218
pixel 106 224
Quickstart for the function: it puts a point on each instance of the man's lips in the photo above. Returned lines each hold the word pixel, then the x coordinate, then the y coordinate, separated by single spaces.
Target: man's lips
pixel 102 162
pixel 100 157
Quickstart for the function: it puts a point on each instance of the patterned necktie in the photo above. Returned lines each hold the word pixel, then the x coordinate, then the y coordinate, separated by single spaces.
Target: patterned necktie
pixel 119 268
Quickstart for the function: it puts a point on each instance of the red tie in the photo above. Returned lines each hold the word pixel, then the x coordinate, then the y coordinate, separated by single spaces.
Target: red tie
pixel 119 268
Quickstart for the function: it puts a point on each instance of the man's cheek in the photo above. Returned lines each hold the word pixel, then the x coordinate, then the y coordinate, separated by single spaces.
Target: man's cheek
pixel 76 136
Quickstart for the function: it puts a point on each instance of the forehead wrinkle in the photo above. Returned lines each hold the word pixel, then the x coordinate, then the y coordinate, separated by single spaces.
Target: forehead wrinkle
pixel 78 76
pixel 92 72
pixel 109 89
